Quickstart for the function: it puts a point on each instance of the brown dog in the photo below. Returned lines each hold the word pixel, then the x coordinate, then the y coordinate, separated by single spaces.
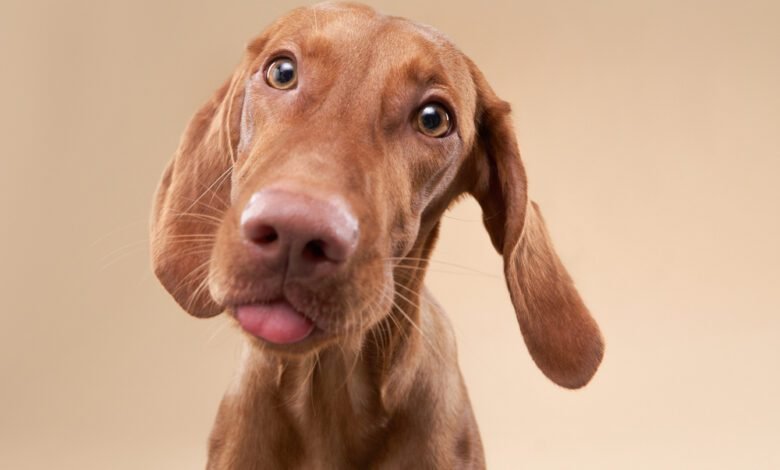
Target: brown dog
pixel 305 200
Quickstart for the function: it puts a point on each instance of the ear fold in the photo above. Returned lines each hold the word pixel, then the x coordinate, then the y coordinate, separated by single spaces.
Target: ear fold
pixel 562 337
pixel 192 196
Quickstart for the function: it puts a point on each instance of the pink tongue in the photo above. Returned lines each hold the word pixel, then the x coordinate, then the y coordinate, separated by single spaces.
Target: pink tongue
pixel 276 322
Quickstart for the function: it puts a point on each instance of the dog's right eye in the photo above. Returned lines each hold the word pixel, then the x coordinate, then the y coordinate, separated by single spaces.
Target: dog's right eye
pixel 281 74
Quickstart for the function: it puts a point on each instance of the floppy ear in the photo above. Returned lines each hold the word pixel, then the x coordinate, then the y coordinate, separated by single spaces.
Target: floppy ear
pixel 562 337
pixel 192 197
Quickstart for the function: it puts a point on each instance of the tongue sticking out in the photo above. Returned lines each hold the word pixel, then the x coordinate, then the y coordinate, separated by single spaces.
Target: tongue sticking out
pixel 277 322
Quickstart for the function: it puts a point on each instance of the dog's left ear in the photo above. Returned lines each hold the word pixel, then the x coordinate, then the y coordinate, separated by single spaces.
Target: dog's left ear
pixel 562 337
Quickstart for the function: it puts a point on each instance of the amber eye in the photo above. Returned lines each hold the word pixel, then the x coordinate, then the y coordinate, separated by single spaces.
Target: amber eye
pixel 281 74
pixel 433 120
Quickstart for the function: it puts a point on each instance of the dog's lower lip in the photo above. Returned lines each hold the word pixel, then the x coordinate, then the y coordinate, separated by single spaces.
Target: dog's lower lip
pixel 276 322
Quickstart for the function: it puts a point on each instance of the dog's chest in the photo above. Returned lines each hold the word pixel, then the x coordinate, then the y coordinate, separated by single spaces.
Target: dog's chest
pixel 338 413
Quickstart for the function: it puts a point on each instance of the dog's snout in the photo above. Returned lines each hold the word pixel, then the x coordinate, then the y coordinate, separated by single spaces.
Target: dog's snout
pixel 309 236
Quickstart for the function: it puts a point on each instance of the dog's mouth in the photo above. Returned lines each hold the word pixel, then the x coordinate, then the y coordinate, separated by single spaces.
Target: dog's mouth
pixel 276 322
pixel 296 317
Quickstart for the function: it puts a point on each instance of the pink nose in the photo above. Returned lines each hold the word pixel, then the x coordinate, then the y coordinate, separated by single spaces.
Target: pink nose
pixel 308 236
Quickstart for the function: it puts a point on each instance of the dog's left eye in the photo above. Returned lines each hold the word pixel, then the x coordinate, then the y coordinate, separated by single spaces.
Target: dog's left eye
pixel 433 120
pixel 281 74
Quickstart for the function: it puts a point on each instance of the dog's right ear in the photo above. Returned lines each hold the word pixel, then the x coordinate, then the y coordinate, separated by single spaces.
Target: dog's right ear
pixel 193 195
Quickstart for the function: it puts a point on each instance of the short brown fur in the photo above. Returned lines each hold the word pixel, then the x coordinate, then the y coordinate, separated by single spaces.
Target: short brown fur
pixel 382 387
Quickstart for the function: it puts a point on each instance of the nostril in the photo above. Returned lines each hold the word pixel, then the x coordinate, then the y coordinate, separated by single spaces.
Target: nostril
pixel 262 235
pixel 315 251
pixel 299 235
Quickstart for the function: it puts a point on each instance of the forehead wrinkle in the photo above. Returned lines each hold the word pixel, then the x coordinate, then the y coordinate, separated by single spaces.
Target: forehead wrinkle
pixel 316 46
pixel 422 66
pixel 452 70
pixel 431 58
pixel 425 74
pixel 321 29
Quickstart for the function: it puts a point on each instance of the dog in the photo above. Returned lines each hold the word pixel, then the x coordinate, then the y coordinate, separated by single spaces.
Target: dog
pixel 305 200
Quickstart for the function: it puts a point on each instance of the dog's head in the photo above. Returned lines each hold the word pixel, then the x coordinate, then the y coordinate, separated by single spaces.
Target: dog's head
pixel 309 189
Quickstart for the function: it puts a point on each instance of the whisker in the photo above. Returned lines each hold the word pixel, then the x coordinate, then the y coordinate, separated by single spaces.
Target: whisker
pixel 422 334
pixel 193 238
pixel 117 230
pixel 116 256
pixel 207 205
pixel 444 271
pixel 216 182
pixel 123 247
pixel 460 219
pixel 316 364
pixel 205 217
pixel 198 290
pixel 385 295
pixel 197 271
pixel 380 329
pixel 215 194
pixel 219 329
pixel 446 263
pixel 123 252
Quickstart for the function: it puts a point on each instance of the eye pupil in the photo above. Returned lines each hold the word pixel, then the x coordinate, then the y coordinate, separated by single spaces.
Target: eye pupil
pixel 430 118
pixel 281 74
pixel 284 72
pixel 433 120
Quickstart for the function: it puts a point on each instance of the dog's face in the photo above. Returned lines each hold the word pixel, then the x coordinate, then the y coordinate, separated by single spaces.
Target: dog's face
pixel 323 165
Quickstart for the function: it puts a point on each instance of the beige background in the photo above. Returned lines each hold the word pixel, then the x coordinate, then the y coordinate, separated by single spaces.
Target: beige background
pixel 651 133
